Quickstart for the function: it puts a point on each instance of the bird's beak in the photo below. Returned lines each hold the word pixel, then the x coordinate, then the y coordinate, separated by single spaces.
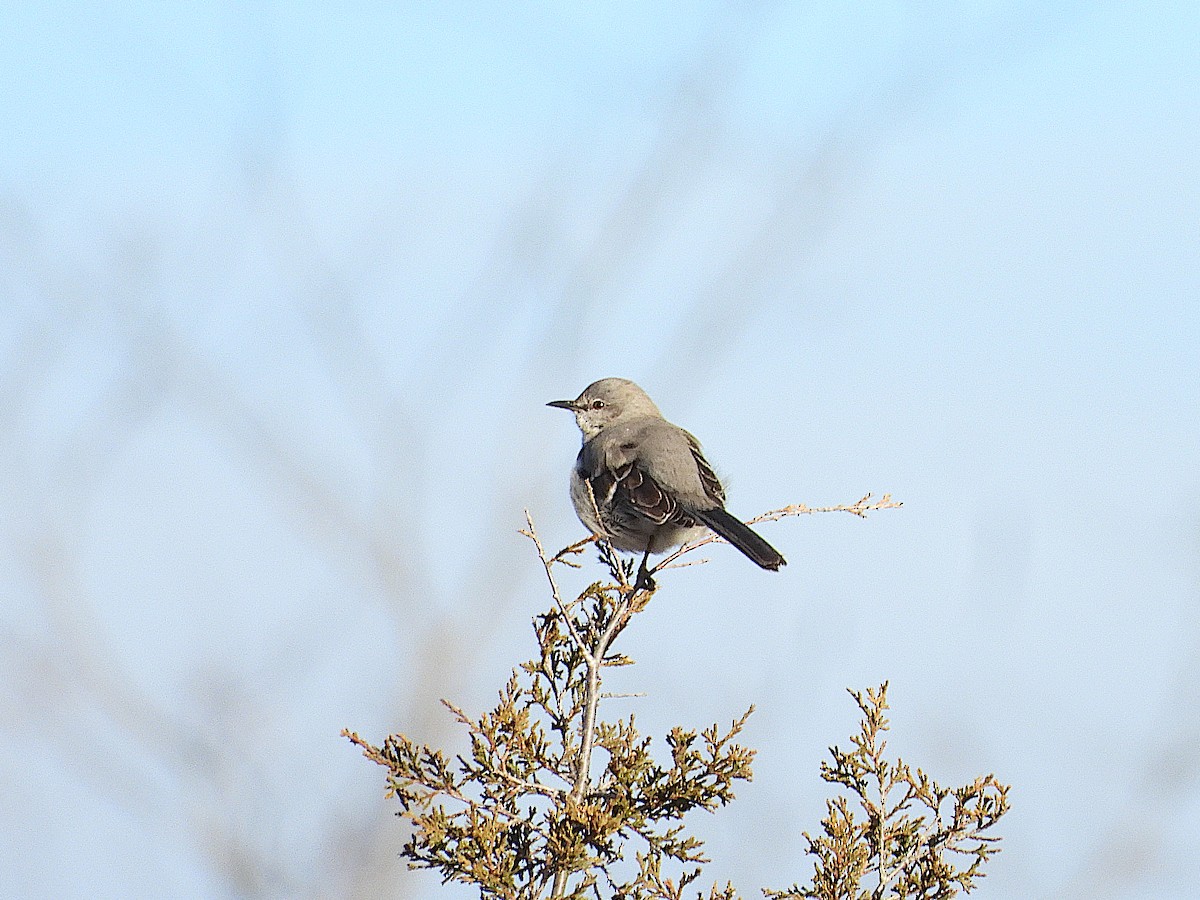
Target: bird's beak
pixel 563 404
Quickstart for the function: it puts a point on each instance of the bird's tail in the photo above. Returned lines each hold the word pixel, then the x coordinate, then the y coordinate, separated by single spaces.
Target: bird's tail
pixel 741 536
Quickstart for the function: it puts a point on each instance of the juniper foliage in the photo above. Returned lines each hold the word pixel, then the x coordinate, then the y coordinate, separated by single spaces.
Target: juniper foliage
pixel 530 805
pixel 551 801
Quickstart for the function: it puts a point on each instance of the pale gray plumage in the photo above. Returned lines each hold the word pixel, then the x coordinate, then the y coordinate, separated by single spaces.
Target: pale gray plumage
pixel 642 483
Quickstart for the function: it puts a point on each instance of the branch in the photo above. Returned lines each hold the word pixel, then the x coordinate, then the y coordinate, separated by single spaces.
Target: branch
pixel 547 563
pixel 594 659
pixel 859 508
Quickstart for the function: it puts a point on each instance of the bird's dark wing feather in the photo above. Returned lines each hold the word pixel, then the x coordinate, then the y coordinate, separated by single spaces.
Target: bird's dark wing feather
pixel 629 487
pixel 712 484
pixel 641 492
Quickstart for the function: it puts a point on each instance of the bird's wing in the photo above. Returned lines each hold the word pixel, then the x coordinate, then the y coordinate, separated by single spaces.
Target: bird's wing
pixel 620 475
pixel 712 484
pixel 619 481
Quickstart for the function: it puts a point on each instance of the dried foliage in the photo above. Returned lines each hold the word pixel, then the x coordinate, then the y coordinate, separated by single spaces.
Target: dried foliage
pixel 532 810
pixel 915 839
pixel 526 809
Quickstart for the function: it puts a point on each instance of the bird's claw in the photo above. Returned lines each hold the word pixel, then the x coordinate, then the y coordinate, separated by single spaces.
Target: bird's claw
pixel 645 581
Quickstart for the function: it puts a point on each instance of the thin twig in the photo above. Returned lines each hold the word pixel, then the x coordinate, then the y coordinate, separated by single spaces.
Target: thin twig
pixel 595 658
pixel 859 508
pixel 614 562
pixel 573 550
pixel 562 609
pixel 682 564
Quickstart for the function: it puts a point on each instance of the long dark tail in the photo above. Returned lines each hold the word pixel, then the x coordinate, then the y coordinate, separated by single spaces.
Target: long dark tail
pixel 741 536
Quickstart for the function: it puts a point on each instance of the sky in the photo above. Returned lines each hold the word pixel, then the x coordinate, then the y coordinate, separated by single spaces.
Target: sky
pixel 284 288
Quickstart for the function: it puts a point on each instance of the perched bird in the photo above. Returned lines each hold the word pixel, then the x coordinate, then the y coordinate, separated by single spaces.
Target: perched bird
pixel 642 484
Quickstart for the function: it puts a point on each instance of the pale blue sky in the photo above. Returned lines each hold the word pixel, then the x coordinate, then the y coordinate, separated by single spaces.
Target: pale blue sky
pixel 274 277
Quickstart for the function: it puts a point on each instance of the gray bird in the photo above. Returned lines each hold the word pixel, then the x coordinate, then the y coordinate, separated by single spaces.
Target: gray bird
pixel 652 487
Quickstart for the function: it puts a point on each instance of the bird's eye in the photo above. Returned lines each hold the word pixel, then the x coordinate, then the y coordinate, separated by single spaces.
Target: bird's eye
pixel 597 404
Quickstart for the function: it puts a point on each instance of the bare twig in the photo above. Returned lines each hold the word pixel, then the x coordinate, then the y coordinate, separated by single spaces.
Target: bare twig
pixel 547 563
pixel 594 659
pixel 859 508
pixel 573 550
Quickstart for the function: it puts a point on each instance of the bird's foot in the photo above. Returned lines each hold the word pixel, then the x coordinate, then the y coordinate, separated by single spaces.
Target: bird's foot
pixel 645 581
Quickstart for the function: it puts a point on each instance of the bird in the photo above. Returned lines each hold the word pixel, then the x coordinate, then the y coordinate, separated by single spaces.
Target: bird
pixel 643 485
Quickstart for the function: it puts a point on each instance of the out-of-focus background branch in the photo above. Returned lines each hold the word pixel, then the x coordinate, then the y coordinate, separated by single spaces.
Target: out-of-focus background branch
pixel 283 291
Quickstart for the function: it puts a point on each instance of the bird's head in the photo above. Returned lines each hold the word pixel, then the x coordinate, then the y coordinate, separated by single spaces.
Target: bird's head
pixel 607 401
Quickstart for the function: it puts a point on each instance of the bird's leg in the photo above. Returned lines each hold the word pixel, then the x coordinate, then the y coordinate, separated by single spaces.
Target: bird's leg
pixel 645 581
